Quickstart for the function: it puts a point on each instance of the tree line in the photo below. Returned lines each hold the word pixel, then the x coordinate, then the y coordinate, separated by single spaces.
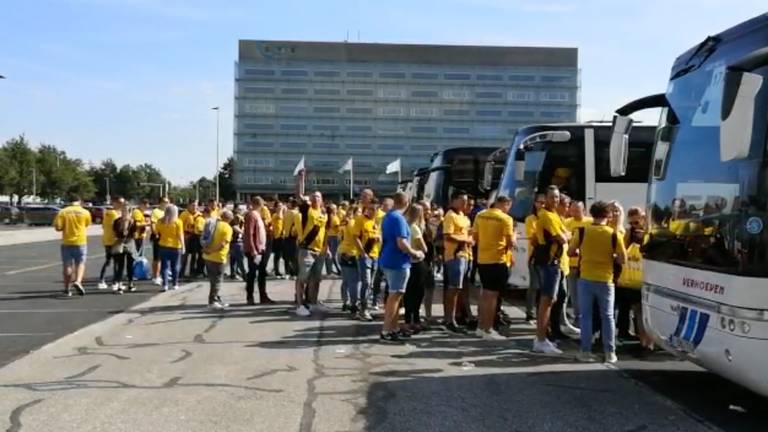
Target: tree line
pixel 50 174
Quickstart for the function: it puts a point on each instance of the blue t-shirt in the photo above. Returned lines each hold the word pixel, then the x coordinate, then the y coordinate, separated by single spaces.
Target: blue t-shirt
pixel 392 227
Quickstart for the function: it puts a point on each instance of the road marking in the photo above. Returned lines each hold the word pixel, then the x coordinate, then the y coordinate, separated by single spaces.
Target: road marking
pixel 25 334
pixel 41 267
pixel 57 310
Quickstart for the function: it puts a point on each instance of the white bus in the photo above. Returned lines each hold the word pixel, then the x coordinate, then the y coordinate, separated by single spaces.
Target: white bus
pixel 574 156
pixel 705 290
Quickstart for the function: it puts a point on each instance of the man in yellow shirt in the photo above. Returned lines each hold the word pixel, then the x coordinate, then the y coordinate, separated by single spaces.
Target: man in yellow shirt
pixel 494 234
pixel 367 234
pixel 141 219
pixel 108 238
pixel 72 222
pixel 333 233
pixel 313 247
pixel 598 247
pixel 577 220
pixel 551 236
pixel 533 278
pixel 350 269
pixel 278 236
pixel 216 255
pixel 378 276
pixel 191 219
pixel 457 246
pixel 156 215
pixel 290 243
pixel 266 217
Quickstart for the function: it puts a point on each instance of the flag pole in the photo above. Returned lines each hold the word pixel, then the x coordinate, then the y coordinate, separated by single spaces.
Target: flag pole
pixel 352 179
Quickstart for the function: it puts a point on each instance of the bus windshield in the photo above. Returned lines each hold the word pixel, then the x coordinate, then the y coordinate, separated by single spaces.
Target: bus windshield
pixel 706 213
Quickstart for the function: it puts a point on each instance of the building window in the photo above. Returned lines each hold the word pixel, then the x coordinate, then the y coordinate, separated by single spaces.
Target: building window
pixel 260 72
pixel 390 130
pixel 259 90
pixel 424 147
pixel 424 112
pixel 489 77
pixel 286 163
pixel 326 74
pixel 391 147
pixel 359 74
pixel 294 91
pixel 359 92
pixel 391 75
pixel 259 126
pixel 326 128
pixel 357 128
pixel 488 113
pixel 257 180
pixel 489 130
pixel 556 78
pixel 523 114
pixel 424 93
pixel 293 145
pixel 293 127
pixel 324 163
pixel 456 94
pixel 294 73
pixel 392 93
pixel 259 163
pixel 327 92
pixel 325 146
pixel 456 130
pixel 258 144
pixel 455 112
pixel 456 76
pixel 392 111
pixel 522 78
pixel 554 96
pixel 294 109
pixel 359 182
pixel 489 95
pixel 520 96
pixel 359 110
pixel 424 75
pixel 555 114
pixel 359 146
pixel 423 129
pixel 327 110
pixel 323 181
pixel 258 109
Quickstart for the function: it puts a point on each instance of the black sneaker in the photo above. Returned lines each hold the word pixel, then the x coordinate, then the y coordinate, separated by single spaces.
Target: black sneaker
pixel 472 325
pixel 453 328
pixel 345 307
pixel 79 288
pixel 404 334
pixel 131 287
pixel 67 293
pixel 390 337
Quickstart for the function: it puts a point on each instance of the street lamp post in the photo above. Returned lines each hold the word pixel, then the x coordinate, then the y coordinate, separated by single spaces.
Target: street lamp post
pixel 216 108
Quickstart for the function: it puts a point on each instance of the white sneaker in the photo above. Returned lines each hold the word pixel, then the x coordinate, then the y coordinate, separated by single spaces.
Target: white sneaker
pixel 479 333
pixel 164 288
pixel 157 281
pixel 585 357
pixel 493 335
pixel 610 358
pixel 320 307
pixel 175 287
pixel 102 285
pixel 365 316
pixel 115 286
pixel 570 330
pixel 302 311
pixel 545 347
pixel 216 306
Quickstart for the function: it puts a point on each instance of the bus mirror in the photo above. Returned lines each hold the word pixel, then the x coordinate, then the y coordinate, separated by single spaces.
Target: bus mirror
pixel 487 175
pixel 619 150
pixel 519 170
pixel 737 114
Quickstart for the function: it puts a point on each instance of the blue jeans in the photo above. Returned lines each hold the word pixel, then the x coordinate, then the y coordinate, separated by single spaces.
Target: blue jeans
pixel 549 280
pixel 366 267
pixel 397 279
pixel 169 259
pixel 332 262
pixel 350 284
pixel 605 294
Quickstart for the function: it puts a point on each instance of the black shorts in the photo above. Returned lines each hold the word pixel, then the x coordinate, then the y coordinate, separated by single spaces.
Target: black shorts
pixel 493 276
pixel 628 295
pixel 155 248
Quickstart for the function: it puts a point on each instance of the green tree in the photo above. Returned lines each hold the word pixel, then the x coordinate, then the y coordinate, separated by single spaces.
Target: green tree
pixel 18 165
pixel 102 176
pixel 226 181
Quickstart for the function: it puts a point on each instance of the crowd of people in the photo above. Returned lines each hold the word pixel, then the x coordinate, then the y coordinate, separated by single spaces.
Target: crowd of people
pixel 389 252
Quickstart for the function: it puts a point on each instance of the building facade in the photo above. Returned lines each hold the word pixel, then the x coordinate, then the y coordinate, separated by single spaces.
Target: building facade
pixel 331 101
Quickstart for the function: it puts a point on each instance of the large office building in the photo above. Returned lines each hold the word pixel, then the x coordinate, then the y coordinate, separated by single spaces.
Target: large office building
pixel 329 101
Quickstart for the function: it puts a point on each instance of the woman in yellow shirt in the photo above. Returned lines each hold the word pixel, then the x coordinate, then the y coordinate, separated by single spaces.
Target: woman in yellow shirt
pixel 347 257
pixel 170 229
pixel 333 230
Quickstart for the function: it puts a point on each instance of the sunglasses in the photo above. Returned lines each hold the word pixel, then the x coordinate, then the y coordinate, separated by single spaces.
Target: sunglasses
pixel 634 223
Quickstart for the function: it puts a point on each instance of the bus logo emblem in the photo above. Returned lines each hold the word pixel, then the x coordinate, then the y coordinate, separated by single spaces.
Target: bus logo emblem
pixel 754 225
pixel 690 329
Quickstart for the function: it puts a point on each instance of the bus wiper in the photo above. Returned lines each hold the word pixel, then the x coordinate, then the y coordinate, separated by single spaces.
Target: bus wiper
pixel 710 45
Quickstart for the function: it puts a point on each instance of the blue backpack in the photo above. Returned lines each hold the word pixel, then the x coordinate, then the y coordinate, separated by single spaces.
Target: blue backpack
pixel 209 230
pixel 141 269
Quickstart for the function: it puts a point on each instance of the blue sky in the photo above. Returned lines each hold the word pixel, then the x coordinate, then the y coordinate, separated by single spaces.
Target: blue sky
pixel 134 79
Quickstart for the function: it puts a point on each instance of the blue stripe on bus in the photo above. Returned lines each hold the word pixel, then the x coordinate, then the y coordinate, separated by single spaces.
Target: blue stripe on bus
pixel 680 321
pixel 691 325
pixel 701 328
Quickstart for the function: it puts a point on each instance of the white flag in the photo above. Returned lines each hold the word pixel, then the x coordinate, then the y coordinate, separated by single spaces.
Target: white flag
pixel 299 166
pixel 393 166
pixel 347 166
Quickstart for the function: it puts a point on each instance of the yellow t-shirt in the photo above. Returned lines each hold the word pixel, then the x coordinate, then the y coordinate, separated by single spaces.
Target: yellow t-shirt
pixel 73 221
pixel 288 221
pixel 368 231
pixel 107 224
pixel 141 224
pixel 492 227
pixel 334 227
pixel 380 216
pixel 277 226
pixel 266 216
pixel 315 218
pixel 530 232
pixel 199 223
pixel 188 221
pixel 457 224
pixel 348 245
pixel 572 225
pixel 597 252
pixel 223 234
pixel 169 233
pixel 550 224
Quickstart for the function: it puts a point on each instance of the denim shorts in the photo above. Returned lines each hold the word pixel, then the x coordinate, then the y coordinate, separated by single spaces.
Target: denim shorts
pixel 455 270
pixel 397 279
pixel 549 280
pixel 73 254
pixel 310 266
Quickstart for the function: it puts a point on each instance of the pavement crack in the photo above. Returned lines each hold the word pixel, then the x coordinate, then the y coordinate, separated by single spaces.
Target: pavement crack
pixel 173 383
pixel 85 351
pixel 185 355
pixel 271 372
pixel 88 371
pixel 15 417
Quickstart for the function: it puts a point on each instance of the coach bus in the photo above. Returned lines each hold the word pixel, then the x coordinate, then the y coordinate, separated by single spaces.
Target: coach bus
pixel 575 157
pixel 458 168
pixel 705 290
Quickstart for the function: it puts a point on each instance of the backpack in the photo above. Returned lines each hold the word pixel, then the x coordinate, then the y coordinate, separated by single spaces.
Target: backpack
pixel 209 230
